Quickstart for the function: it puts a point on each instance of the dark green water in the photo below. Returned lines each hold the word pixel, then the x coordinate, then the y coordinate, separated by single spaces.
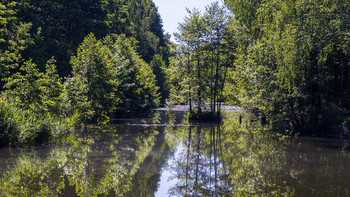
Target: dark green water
pixel 167 156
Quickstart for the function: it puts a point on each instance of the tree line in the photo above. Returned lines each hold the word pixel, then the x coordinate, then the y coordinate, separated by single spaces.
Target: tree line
pixel 88 61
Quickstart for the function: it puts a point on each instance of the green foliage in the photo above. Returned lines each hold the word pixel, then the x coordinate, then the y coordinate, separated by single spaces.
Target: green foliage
pixel 19 126
pixel 287 60
pixel 178 79
pixel 292 61
pixel 159 70
pixel 138 90
pixel 34 90
pixel 204 56
pixel 14 38
pixel 191 35
pixel 63 25
pixel 110 78
pixel 32 110
pixel 93 86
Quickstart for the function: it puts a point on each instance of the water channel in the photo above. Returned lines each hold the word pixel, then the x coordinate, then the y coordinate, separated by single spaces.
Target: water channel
pixel 165 155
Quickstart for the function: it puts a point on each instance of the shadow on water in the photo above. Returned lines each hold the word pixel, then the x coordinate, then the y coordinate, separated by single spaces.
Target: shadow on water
pixel 165 155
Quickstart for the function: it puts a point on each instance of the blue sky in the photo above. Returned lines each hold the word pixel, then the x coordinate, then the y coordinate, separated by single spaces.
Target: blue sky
pixel 174 11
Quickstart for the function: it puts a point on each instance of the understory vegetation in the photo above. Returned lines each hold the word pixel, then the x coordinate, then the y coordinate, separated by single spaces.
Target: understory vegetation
pixel 24 126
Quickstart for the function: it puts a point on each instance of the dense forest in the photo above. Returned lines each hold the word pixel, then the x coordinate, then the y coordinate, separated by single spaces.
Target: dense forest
pixel 66 63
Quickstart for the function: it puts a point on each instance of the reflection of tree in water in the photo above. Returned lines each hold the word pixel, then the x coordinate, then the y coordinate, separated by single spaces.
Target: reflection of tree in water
pixel 102 164
pixel 145 181
pixel 199 168
pixel 234 159
pixel 256 158
pixel 237 158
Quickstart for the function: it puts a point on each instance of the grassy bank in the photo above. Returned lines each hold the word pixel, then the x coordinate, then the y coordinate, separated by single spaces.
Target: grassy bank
pixel 29 127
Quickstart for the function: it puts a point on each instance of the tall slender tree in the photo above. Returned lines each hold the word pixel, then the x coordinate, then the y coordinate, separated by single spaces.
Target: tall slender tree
pixel 202 38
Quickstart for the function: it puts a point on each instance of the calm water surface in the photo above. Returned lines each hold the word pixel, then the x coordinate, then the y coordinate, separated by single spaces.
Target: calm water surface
pixel 167 156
